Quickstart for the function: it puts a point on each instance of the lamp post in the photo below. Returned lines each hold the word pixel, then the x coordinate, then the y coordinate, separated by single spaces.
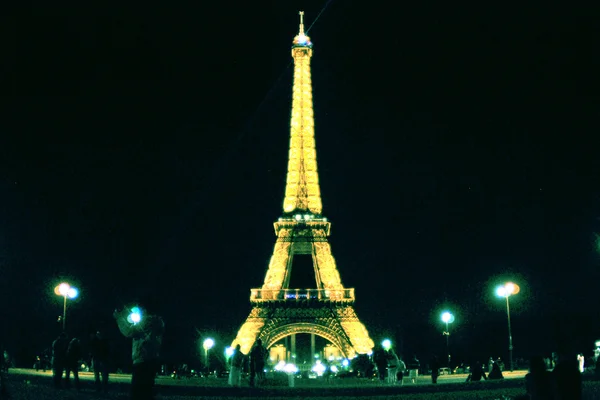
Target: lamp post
pixel 506 291
pixel 65 290
pixel 448 318
pixel 208 344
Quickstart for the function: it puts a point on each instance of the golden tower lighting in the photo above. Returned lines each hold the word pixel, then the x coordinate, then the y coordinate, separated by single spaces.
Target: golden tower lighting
pixel 278 310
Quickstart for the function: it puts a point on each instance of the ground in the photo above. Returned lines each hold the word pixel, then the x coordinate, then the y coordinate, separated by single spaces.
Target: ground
pixel 31 385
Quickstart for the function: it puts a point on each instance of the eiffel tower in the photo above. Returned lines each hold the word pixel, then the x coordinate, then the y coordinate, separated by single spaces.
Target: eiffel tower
pixel 278 310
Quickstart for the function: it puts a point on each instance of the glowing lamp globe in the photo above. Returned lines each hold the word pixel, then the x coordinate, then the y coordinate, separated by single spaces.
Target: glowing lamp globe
pixel 72 293
pixel 135 316
pixel 229 351
pixel 387 343
pixel 62 289
pixel 208 344
pixel 447 317
pixel 507 289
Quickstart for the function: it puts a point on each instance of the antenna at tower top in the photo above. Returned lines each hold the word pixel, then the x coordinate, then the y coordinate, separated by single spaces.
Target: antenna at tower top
pixel 301 22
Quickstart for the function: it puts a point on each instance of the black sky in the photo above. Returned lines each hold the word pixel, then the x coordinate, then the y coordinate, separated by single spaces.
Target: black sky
pixel 145 151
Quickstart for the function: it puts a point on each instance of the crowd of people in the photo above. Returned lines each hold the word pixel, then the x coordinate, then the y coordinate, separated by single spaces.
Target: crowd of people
pixel 67 355
pixel 558 378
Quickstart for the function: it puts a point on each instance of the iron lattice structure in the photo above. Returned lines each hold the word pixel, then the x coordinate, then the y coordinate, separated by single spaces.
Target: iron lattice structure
pixel 278 311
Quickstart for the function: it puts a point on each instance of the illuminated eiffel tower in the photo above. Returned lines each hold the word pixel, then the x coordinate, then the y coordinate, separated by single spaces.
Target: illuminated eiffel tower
pixel 279 311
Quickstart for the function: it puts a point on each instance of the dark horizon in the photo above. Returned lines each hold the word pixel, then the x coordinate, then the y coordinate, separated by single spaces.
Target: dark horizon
pixel 146 152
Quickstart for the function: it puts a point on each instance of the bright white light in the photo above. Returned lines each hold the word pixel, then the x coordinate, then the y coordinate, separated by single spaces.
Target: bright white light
pixel 510 288
pixel 598 343
pixel 229 351
pixel 387 343
pixel 208 344
pixel 319 368
pixel 72 293
pixel 345 363
pixel 501 291
pixel 280 365
pixel 447 317
pixel 334 368
pixel 301 39
pixel 135 316
pixel 63 289
pixel 290 368
pixel 298 217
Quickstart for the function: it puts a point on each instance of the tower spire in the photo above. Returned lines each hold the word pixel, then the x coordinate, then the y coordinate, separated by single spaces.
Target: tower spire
pixel 301 31
pixel 302 192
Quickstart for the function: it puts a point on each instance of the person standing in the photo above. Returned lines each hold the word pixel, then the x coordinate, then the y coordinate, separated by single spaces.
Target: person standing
pixel 99 350
pixel 435 369
pixel 381 361
pixel 401 371
pixel 257 362
pixel 59 356
pixel 393 362
pixel 235 373
pixel 72 362
pixel 147 335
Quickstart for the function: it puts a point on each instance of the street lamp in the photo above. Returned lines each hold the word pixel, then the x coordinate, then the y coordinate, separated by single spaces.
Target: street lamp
pixel 208 344
pixel 506 291
pixel 448 318
pixel 386 344
pixel 65 290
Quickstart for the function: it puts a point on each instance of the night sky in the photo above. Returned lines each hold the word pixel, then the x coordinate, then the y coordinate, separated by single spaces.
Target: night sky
pixel 144 150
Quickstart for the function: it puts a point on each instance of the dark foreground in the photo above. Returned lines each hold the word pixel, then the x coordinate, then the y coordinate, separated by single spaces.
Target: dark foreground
pixel 38 387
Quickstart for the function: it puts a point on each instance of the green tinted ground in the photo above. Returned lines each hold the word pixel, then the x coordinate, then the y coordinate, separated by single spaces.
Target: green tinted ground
pixel 39 388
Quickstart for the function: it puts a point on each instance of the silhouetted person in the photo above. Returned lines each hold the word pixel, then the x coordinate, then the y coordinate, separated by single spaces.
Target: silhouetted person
pixel 327 372
pixel 257 362
pixel 147 335
pixel 393 362
pixel 380 360
pixel 477 373
pixel 72 362
pixel 3 389
pixel 235 372
pixel 59 358
pixel 99 351
pixel 567 377
pixel 5 361
pixel 495 373
pixel 435 369
pixel 401 371
pixel 538 382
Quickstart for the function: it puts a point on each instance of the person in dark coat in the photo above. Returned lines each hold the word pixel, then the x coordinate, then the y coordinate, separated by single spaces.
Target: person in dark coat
pixel 59 357
pixel 381 361
pixel 477 373
pixel 257 362
pixel 538 382
pixel 72 362
pixel 99 351
pixel 567 377
pixel 435 369
pixel 495 373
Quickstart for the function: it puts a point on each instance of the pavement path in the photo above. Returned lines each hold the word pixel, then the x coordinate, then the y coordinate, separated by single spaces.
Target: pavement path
pixel 168 381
